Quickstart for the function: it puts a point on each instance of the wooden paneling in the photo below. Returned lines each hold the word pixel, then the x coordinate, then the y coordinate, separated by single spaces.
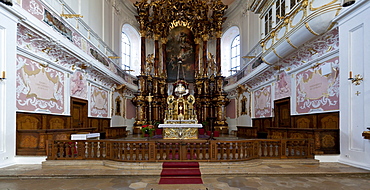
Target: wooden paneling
pixel 328 121
pixel 57 122
pixel 326 141
pixel 247 132
pixel 29 122
pixel 262 123
pixel 115 132
pixel 34 129
pixel 322 127
pixel 99 123
pixel 33 142
pixel 303 122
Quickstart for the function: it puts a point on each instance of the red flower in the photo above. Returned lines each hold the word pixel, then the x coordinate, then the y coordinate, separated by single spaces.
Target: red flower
pixel 147 129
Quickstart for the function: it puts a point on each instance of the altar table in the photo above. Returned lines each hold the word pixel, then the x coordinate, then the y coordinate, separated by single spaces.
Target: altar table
pixel 180 131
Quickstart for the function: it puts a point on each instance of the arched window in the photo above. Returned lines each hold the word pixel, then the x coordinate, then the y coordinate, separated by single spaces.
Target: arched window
pixel 126 52
pixel 230 51
pixel 235 54
pixel 130 50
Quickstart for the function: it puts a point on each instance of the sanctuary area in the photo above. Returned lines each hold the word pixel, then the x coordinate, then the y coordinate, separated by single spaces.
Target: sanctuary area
pixel 184 81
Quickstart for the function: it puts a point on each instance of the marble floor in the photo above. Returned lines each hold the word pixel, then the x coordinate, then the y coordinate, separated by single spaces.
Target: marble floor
pixel 254 174
pixel 210 182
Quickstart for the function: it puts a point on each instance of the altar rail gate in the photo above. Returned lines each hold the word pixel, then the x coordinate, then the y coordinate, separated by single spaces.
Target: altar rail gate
pixel 179 150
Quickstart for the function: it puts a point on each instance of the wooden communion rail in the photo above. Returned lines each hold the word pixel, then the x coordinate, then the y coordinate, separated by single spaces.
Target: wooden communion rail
pixel 179 150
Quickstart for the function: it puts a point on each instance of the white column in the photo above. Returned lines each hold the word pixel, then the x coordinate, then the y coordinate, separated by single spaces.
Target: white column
pixel 8 38
pixel 354 27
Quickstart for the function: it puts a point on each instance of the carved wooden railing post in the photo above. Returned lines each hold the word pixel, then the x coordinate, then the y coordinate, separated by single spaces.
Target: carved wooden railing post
pixel 283 148
pixel 213 150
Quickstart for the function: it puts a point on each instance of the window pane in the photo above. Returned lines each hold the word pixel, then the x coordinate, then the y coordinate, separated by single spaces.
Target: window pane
pixel 235 54
pixel 126 51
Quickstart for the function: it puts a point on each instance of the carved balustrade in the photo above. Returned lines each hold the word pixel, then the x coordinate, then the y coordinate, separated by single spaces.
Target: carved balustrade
pixel 179 150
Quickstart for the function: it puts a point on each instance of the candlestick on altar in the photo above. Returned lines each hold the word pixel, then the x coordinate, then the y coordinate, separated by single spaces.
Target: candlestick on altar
pixel 350 74
pixel 3 75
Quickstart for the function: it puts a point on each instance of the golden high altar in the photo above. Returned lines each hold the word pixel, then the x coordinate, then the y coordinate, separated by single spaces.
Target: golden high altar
pixel 181 119
pixel 180 82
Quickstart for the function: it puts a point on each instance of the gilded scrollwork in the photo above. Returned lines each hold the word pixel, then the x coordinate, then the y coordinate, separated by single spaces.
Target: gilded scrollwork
pixel 180 133
pixel 159 17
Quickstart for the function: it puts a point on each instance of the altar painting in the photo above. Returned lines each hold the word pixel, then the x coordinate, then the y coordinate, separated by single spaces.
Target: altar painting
pixel 39 87
pixel 318 92
pixel 180 47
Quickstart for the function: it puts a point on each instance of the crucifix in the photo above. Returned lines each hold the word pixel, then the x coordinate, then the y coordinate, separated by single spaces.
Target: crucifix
pixel 149 98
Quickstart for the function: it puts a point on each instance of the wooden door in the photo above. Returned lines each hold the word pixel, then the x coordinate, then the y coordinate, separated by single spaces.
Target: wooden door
pixel 78 113
pixel 282 113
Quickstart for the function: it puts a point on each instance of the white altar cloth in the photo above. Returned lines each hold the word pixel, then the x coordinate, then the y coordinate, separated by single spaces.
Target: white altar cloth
pixel 180 126
pixel 85 136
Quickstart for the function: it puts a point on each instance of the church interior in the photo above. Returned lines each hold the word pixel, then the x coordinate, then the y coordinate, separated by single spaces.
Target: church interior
pixel 224 83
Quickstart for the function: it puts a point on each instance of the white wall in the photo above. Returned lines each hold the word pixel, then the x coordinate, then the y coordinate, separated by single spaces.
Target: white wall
pixel 107 23
pixel 92 10
pixel 105 18
pixel 8 38
pixel 354 27
pixel 251 30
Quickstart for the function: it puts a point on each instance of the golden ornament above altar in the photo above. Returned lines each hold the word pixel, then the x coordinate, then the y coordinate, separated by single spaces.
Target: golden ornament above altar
pixel 181 107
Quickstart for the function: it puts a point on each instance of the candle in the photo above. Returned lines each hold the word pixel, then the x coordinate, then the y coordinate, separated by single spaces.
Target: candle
pixel 3 75
pixel 350 74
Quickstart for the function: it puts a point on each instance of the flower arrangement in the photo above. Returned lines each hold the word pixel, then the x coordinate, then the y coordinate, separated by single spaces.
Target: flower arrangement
pixel 147 130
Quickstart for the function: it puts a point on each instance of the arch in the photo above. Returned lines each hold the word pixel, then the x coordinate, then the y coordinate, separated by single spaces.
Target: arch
pixel 226 46
pixel 131 61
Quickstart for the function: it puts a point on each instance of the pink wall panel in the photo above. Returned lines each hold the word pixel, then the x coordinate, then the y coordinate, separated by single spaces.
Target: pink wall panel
pixel 99 102
pixel 78 85
pixel 230 109
pixel 130 109
pixel 283 86
pixel 262 102
pixel 39 88
pixel 316 92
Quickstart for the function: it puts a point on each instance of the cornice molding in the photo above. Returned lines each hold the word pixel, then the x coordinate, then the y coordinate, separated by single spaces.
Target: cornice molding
pixel 235 8
pixel 129 6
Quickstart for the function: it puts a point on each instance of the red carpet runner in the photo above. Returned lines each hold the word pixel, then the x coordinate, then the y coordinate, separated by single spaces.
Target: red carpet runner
pixel 180 173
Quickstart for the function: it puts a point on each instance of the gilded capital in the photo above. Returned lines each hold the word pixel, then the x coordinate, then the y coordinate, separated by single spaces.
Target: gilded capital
pixel 197 40
pixel 205 37
pixel 219 34
pixel 164 40
pixel 156 36
pixel 142 33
